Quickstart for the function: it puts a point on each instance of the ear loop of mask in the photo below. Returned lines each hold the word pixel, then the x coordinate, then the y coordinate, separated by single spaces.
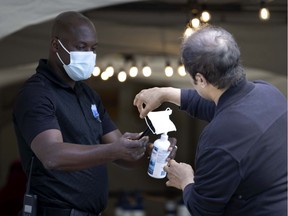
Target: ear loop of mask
pixel 149 124
pixel 58 53
pixel 148 129
pixel 63 46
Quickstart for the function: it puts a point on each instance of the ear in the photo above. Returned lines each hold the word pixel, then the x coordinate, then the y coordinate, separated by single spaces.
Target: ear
pixel 54 44
pixel 201 80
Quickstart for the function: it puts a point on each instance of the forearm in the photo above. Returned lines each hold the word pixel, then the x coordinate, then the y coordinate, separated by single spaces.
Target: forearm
pixel 170 94
pixel 72 157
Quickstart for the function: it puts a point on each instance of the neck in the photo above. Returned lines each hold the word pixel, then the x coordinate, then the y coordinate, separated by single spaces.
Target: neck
pixel 61 73
pixel 216 93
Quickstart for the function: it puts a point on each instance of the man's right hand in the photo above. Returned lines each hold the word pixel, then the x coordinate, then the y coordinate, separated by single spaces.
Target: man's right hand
pixel 150 99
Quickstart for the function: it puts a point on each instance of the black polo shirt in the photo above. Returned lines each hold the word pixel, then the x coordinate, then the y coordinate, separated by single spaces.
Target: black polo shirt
pixel 46 102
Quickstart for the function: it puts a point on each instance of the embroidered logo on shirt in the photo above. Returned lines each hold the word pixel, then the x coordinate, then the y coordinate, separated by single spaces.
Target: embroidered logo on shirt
pixel 95 112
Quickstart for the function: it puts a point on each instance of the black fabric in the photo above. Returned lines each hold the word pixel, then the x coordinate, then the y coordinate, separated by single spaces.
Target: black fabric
pixel 241 158
pixel 46 102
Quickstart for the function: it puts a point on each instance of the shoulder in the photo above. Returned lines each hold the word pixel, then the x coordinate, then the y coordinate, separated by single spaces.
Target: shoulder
pixel 34 92
pixel 232 131
pixel 267 89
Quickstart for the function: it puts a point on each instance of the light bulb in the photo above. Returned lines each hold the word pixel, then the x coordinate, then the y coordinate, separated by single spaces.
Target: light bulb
pixel 96 71
pixel 169 71
pixel 122 76
pixel 146 71
pixel 133 71
pixel 189 31
pixel 195 22
pixel 104 75
pixel 110 71
pixel 181 70
pixel 205 16
pixel 264 13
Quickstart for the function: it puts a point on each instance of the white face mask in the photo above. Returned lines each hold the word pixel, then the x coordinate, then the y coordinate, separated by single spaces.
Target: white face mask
pixel 81 64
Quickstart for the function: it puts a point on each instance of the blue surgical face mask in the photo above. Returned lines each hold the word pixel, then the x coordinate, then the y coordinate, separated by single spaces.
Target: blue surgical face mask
pixel 81 64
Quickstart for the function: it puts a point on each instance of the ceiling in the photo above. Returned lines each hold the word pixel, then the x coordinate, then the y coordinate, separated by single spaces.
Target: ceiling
pixel 148 31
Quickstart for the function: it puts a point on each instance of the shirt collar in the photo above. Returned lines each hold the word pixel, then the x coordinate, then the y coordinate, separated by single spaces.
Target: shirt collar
pixel 234 93
pixel 45 70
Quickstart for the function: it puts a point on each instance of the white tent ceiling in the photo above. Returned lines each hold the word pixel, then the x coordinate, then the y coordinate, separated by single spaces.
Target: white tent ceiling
pixel 17 14
pixel 148 30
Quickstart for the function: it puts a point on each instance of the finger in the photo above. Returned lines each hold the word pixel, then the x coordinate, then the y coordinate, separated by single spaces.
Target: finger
pixel 173 142
pixel 140 110
pixel 140 104
pixel 132 136
pixel 166 168
pixel 172 163
pixel 146 109
pixel 168 184
pixel 144 141
pixel 140 155
pixel 172 154
pixel 136 144
pixel 135 101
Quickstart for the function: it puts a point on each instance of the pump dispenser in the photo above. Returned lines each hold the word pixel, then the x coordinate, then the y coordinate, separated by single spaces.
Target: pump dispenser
pixel 162 125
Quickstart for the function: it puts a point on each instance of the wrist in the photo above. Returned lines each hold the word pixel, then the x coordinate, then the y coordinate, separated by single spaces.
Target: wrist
pixel 185 183
pixel 171 95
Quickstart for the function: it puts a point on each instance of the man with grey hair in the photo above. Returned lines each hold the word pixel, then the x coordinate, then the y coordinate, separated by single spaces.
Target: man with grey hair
pixel 241 158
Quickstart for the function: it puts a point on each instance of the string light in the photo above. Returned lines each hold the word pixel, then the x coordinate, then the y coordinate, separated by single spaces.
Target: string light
pixel 181 69
pixel 205 16
pixel 168 70
pixel 104 75
pixel 133 71
pixel 192 25
pixel 110 71
pixel 264 13
pixel 96 72
pixel 122 76
pixel 146 70
pixel 195 22
pixel 189 31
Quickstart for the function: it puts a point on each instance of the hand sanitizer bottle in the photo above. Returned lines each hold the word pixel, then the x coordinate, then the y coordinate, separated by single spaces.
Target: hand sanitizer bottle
pixel 158 157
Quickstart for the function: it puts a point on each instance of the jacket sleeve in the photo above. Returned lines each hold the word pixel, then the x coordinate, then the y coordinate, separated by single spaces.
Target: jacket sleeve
pixel 215 183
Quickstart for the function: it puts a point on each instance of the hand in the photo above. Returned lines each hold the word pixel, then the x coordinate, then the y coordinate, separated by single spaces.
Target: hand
pixel 148 100
pixel 130 148
pixel 179 174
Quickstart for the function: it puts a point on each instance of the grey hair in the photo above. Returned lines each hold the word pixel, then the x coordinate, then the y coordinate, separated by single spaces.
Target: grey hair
pixel 212 52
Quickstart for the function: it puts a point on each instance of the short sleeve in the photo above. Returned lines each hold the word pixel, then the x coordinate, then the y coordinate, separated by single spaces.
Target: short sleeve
pixel 34 112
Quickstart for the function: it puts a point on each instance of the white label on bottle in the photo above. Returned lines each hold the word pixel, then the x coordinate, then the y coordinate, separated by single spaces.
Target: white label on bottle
pixel 157 162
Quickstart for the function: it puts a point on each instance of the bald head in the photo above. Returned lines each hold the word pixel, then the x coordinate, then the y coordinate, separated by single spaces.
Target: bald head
pixel 69 24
